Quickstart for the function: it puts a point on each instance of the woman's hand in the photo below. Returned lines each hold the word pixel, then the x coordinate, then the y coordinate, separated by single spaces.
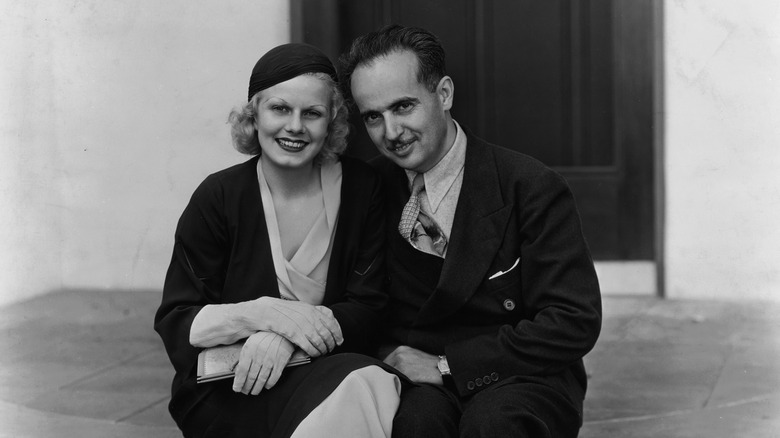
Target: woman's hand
pixel 263 358
pixel 312 328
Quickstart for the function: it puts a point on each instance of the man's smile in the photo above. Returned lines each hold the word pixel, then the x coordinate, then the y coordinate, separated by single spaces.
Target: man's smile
pixel 400 146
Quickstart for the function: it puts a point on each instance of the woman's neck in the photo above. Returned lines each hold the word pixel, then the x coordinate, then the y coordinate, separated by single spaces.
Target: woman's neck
pixel 291 182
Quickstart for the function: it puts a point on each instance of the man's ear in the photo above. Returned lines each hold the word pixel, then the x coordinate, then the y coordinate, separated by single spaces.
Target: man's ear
pixel 446 92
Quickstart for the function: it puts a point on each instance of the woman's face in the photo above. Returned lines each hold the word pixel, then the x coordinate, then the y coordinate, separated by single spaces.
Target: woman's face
pixel 292 121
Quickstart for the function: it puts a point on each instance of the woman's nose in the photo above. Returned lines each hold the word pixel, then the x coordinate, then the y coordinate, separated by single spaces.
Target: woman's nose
pixel 294 123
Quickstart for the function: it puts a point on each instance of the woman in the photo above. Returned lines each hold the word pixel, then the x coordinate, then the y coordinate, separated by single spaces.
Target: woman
pixel 283 251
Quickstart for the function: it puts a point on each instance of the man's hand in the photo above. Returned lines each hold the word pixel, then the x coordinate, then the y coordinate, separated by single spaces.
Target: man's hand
pixel 262 360
pixel 418 366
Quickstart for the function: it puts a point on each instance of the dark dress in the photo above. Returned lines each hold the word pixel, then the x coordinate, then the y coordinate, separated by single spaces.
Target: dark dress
pixel 222 255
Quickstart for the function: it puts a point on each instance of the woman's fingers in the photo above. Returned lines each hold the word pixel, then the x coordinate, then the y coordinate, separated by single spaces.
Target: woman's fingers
pixel 252 378
pixel 312 328
pixel 330 322
pixel 278 362
pixel 293 323
pixel 321 331
pixel 312 337
pixel 305 343
pixel 311 342
pixel 276 373
pixel 242 372
pixel 262 361
pixel 262 377
pixel 249 366
pixel 327 336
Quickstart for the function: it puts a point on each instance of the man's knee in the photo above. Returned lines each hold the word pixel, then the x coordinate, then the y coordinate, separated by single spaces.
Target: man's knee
pixel 487 419
pixel 519 410
pixel 426 411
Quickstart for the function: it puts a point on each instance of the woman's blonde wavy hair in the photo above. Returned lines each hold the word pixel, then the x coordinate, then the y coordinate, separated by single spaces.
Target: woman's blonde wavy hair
pixel 244 134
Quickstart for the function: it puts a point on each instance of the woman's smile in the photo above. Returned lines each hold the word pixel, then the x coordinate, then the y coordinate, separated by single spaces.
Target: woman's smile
pixel 291 145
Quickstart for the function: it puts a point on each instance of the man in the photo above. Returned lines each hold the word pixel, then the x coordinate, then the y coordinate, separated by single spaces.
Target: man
pixel 494 298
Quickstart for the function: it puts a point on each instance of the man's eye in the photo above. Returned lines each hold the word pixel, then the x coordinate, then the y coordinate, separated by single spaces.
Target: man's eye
pixel 370 118
pixel 405 106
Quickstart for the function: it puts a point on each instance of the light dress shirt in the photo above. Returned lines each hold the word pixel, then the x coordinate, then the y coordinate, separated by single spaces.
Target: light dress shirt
pixel 442 185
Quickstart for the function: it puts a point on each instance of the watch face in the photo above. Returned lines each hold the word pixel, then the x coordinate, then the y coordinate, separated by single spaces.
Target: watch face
pixel 444 367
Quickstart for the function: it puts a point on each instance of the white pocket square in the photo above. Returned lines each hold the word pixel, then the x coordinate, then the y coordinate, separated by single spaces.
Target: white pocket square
pixel 500 273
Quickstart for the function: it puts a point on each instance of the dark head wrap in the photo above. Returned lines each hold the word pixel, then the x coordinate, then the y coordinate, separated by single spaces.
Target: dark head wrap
pixel 285 62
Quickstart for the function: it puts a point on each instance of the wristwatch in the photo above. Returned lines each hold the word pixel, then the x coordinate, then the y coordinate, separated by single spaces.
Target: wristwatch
pixel 443 366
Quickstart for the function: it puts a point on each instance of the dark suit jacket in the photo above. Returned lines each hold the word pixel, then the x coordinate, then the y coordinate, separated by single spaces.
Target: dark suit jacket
pixel 534 322
pixel 222 254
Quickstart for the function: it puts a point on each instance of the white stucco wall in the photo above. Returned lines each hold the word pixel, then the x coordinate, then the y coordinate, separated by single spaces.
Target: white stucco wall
pixel 722 149
pixel 111 112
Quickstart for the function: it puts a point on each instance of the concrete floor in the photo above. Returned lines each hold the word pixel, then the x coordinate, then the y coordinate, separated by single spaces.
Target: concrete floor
pixel 88 364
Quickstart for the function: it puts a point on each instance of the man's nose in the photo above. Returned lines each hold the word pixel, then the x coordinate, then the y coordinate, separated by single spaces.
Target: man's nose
pixel 393 129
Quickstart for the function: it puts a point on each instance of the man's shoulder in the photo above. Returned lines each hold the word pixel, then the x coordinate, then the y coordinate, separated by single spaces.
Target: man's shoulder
pixel 358 172
pixel 385 167
pixel 355 165
pixel 380 163
pixel 509 163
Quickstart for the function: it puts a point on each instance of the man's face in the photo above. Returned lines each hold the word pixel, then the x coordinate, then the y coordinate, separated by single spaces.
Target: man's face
pixel 406 121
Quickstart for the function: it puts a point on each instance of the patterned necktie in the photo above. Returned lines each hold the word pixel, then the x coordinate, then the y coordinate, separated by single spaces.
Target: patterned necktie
pixel 412 208
pixel 417 227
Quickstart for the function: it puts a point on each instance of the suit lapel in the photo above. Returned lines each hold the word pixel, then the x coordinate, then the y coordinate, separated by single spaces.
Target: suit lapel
pixel 477 232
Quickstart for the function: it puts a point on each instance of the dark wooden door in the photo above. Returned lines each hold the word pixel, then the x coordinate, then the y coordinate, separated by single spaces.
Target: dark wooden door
pixel 569 82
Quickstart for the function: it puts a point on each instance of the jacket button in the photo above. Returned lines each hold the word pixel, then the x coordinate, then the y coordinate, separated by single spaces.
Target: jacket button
pixel 486 380
pixel 509 304
pixel 470 385
pixel 478 381
pixel 494 377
